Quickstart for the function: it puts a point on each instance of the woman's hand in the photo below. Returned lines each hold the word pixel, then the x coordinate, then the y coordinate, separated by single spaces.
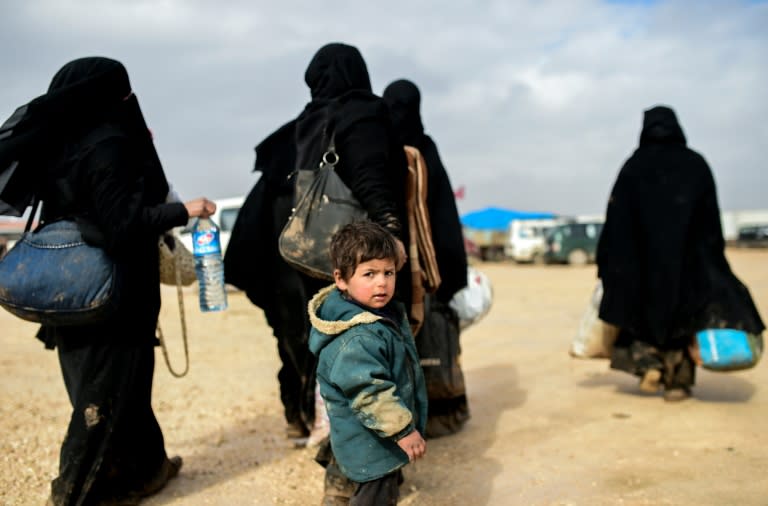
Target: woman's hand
pixel 401 254
pixel 200 208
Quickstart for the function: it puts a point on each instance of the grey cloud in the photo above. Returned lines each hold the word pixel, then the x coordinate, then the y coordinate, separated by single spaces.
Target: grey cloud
pixel 534 105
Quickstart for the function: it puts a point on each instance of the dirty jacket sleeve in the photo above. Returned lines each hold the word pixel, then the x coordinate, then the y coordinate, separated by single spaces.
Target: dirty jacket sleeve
pixel 372 393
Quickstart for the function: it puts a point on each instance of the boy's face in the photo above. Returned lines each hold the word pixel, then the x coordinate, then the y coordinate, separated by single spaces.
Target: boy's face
pixel 372 284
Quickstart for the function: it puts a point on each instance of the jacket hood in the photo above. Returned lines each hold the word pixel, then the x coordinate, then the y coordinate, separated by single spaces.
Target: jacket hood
pixel 330 315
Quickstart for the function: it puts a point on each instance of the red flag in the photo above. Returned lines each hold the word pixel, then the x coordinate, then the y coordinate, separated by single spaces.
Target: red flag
pixel 459 193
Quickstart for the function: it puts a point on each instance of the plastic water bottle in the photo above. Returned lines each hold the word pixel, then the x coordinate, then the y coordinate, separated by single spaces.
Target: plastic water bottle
pixel 209 266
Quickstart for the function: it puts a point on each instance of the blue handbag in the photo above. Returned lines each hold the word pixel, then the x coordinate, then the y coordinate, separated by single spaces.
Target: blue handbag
pixel 51 276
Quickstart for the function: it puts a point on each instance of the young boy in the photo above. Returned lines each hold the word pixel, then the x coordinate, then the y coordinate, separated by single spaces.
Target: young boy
pixel 368 368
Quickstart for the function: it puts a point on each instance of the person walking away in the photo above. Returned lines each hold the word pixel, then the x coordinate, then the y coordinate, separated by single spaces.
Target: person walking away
pixel 372 165
pixel 368 367
pixel 253 263
pixel 90 157
pixel 661 259
pixel 438 339
pixel 371 161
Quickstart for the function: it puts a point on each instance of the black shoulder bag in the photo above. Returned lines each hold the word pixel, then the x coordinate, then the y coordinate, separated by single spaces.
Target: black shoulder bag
pixel 324 204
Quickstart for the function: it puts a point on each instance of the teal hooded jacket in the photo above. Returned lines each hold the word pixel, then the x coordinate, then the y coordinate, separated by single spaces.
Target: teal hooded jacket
pixel 371 381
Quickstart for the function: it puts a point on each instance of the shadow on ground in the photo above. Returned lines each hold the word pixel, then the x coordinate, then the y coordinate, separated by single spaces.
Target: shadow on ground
pixel 719 387
pixel 453 461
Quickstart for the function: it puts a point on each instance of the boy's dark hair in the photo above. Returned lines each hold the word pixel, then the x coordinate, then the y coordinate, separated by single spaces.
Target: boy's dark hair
pixel 359 242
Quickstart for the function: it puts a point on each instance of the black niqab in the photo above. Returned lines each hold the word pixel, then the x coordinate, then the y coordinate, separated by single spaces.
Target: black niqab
pixel 83 94
pixel 404 101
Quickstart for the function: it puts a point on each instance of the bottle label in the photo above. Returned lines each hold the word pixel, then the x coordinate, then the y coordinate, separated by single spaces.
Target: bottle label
pixel 205 242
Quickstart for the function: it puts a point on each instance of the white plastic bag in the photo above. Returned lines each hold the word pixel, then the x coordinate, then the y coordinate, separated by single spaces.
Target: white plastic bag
pixel 321 427
pixel 473 302
pixel 594 338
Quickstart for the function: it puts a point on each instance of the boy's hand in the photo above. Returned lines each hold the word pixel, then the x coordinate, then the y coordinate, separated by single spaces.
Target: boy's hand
pixel 414 445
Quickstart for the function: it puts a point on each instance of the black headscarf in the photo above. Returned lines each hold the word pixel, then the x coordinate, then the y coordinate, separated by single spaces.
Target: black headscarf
pixel 337 77
pixel 660 126
pixel 661 252
pixel 404 101
pixel 83 94
pixel 372 166
pixel 337 69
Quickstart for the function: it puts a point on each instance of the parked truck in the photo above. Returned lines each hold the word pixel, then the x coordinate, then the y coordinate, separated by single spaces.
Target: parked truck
pixel 490 242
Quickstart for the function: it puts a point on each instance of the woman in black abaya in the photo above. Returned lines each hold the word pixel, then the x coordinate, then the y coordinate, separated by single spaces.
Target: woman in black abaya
pixel 95 163
pixel 439 336
pixel 253 264
pixel 372 164
pixel 662 263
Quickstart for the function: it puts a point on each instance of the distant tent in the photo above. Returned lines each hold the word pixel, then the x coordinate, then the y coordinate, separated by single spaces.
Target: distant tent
pixel 495 218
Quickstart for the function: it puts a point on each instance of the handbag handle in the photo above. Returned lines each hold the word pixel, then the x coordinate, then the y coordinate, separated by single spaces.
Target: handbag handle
pixel 182 317
pixel 330 157
pixel 31 219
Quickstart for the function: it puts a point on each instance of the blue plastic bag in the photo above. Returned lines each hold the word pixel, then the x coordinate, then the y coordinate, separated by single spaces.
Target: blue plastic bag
pixel 728 349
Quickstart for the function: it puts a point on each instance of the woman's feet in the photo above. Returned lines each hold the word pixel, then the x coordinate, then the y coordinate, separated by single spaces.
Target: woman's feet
pixel 651 381
pixel 168 469
pixel 677 394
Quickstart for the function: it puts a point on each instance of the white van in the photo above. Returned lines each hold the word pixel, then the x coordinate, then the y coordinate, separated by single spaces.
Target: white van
pixel 526 241
pixel 224 217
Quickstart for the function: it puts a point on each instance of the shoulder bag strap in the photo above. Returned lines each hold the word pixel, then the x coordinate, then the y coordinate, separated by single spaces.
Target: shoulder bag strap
pixel 31 219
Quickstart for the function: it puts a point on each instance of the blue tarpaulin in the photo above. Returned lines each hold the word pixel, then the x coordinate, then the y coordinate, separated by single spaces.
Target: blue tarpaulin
pixel 496 218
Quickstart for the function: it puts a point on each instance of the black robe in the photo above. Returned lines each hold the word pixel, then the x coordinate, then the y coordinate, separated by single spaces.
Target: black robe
pixel 661 252
pixel 438 339
pixel 253 263
pixel 404 101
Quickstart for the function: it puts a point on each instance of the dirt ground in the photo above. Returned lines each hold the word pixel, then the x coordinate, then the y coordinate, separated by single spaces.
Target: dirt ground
pixel 546 429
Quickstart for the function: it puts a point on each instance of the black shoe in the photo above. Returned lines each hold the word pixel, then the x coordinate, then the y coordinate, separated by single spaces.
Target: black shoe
pixel 168 470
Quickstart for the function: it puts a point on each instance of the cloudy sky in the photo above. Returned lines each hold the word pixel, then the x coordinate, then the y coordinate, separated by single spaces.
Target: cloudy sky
pixel 534 104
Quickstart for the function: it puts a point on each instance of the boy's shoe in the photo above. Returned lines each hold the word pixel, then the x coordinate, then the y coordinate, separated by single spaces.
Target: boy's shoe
pixel 651 381
pixel 677 394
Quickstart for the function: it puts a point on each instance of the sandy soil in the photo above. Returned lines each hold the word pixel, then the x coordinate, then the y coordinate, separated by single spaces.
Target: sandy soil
pixel 546 429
